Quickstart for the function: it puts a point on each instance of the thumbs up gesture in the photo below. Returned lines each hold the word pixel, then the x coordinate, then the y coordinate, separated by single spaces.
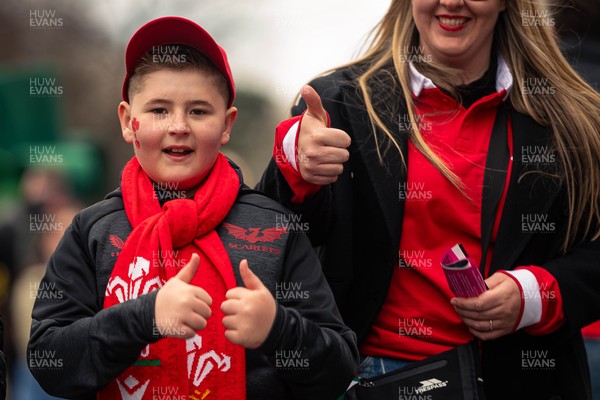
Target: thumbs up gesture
pixel 250 311
pixel 181 309
pixel 322 151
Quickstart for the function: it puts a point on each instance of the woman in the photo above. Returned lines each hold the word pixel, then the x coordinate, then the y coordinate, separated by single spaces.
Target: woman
pixel 406 165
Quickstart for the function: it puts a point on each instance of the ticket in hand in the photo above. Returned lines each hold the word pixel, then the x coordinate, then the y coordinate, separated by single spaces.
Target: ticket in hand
pixel 462 273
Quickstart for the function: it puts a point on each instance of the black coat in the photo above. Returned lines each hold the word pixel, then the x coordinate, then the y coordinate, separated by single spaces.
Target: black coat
pixel 357 223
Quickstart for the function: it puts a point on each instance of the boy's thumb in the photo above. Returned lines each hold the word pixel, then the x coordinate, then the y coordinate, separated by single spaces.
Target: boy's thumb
pixel 250 280
pixel 188 272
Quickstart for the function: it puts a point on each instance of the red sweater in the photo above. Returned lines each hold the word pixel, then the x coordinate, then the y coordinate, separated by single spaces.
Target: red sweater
pixel 417 319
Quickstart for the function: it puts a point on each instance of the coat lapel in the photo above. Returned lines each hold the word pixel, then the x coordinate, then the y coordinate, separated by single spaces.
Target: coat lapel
pixel 530 193
pixel 383 179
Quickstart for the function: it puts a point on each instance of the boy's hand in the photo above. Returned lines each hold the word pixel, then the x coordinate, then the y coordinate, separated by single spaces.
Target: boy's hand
pixel 322 151
pixel 249 311
pixel 182 309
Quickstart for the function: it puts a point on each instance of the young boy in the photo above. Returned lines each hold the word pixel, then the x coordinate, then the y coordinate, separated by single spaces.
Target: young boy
pixel 167 288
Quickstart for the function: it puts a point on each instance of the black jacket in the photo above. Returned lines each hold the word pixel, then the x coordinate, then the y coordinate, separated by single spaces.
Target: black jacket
pixel 357 223
pixel 77 347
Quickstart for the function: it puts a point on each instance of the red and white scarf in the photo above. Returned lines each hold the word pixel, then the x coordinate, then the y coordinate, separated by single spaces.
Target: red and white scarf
pixel 163 239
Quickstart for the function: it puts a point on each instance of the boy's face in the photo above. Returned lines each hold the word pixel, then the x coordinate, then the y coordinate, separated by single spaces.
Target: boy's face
pixel 177 122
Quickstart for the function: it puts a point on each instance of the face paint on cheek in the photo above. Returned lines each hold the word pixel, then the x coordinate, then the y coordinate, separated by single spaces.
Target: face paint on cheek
pixel 135 125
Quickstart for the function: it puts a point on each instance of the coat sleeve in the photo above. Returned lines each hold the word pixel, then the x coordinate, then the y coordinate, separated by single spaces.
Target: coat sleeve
pixel 578 277
pixel 76 347
pixel 309 344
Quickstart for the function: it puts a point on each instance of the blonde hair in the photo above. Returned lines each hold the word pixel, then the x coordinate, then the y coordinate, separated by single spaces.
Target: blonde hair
pixel 531 52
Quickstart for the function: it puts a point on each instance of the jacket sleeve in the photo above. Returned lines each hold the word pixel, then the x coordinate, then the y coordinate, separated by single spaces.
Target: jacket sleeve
pixel 76 347
pixel 309 344
pixel 578 277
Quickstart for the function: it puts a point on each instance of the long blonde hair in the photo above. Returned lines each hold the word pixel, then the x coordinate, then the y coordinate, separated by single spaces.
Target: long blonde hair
pixel 531 52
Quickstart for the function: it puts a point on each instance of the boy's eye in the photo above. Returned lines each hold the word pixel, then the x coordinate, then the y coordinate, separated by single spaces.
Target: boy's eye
pixel 159 110
pixel 197 111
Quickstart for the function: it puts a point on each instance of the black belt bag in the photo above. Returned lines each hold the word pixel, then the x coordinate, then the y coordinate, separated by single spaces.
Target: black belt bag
pixel 451 375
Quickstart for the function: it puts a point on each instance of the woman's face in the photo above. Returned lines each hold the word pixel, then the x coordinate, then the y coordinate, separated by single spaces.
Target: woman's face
pixel 456 33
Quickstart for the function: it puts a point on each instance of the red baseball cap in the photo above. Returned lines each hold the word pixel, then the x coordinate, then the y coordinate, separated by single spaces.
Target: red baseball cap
pixel 175 30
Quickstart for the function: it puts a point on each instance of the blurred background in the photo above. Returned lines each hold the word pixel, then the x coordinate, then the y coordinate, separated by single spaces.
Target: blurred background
pixel 61 70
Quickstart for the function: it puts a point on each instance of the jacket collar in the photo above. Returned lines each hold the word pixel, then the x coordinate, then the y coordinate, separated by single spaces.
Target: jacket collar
pixel 504 79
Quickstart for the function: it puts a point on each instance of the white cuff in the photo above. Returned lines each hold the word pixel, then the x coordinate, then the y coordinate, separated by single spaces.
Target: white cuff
pixel 532 299
pixel 289 145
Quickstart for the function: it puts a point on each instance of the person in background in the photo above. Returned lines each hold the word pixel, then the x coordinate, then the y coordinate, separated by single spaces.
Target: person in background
pixel 391 159
pixel 25 292
pixel 38 187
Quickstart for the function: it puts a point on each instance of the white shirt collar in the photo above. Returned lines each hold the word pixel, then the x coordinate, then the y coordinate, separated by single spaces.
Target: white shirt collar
pixel 504 78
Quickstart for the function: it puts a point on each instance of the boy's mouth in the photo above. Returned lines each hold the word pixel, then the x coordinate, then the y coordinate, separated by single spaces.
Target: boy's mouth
pixel 177 151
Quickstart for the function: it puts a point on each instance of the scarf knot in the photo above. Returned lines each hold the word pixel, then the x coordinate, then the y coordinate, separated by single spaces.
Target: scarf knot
pixel 182 217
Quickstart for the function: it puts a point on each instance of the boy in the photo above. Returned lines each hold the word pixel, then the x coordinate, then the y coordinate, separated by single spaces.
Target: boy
pixel 151 294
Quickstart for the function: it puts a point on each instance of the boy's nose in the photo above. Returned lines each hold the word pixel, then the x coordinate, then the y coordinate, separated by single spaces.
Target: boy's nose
pixel 179 126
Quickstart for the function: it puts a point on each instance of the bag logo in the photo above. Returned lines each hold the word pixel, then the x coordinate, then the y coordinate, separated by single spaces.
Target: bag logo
pixel 430 384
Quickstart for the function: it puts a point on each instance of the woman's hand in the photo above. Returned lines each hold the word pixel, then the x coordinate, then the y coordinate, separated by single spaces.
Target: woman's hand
pixel 495 312
pixel 322 151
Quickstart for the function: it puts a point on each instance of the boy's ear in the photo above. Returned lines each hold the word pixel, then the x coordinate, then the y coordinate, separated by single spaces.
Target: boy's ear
pixel 124 111
pixel 230 116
